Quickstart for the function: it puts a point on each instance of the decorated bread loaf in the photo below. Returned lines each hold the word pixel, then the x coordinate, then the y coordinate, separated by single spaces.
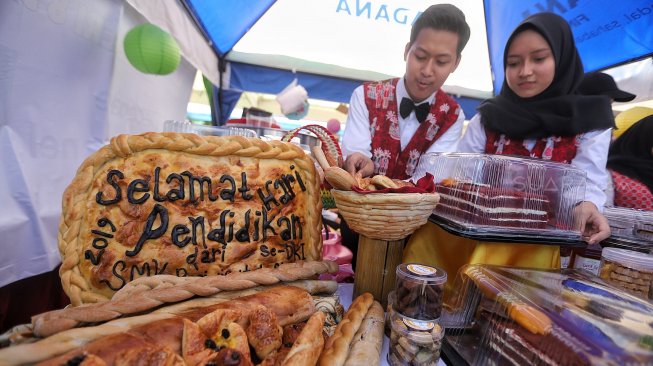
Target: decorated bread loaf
pixel 185 205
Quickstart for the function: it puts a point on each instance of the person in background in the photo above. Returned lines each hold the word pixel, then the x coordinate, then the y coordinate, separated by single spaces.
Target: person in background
pixel 537 114
pixel 391 123
pixel 599 83
pixel 630 161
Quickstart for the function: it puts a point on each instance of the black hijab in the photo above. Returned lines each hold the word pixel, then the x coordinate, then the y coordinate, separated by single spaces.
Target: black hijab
pixel 631 155
pixel 558 110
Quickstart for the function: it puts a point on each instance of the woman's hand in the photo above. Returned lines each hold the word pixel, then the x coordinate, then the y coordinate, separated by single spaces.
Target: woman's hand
pixel 358 162
pixel 593 225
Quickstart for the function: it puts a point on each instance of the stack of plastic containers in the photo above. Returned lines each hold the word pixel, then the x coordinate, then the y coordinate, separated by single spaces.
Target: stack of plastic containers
pixel 504 197
pixel 519 316
pixel 414 310
pixel 630 228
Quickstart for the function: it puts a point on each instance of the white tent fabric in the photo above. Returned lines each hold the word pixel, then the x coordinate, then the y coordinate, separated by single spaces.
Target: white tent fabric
pixel 65 89
pixel 366 38
pixel 323 37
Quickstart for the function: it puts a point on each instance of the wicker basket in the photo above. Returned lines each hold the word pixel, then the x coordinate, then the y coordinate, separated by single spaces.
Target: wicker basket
pixel 385 216
pixel 331 149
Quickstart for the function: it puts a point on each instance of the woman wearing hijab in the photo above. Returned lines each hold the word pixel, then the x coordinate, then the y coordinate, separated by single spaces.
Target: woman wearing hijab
pixel 630 161
pixel 536 114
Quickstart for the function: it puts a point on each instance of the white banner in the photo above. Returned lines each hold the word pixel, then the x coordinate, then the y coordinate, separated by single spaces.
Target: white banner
pixel 61 98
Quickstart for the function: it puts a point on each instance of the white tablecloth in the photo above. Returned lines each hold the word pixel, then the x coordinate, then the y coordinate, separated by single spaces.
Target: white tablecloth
pixel 345 292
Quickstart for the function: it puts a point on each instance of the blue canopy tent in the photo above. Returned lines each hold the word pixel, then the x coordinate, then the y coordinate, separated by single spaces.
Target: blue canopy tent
pixel 243 37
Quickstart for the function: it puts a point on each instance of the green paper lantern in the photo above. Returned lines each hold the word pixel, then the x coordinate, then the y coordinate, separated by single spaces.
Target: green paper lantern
pixel 151 50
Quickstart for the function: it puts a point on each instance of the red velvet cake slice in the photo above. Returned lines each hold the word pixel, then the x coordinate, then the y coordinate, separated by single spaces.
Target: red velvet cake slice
pixel 485 205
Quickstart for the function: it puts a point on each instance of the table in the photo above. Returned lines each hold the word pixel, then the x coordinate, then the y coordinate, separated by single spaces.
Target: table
pixel 345 292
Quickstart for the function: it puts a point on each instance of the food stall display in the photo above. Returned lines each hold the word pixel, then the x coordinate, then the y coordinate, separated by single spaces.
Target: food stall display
pixel 182 249
pixel 515 316
pixel 270 325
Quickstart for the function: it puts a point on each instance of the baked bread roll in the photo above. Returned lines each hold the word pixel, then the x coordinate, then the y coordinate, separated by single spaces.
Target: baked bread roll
pixel 264 332
pixel 337 346
pixel 368 341
pixel 339 178
pixel 382 182
pixel 309 343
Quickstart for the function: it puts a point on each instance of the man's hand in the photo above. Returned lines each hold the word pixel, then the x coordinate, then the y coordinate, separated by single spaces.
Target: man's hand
pixel 593 225
pixel 358 162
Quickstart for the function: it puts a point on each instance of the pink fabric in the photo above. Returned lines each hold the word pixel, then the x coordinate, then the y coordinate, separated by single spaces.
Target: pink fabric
pixel 333 250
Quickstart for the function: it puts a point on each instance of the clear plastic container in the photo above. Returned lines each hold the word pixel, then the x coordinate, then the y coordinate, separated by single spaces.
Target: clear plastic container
pixel 630 270
pixel 630 228
pixel 505 195
pixel 547 317
pixel 419 290
pixel 414 342
pixel 622 221
pixel 188 127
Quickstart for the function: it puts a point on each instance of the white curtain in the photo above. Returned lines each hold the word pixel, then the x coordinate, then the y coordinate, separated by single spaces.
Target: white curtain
pixel 65 89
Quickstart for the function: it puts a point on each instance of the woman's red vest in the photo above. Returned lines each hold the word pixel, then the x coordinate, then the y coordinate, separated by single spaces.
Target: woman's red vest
pixel 559 149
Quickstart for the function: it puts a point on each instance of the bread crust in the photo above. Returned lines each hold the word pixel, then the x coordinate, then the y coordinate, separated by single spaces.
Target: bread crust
pixel 368 342
pixel 309 344
pixel 179 289
pixel 337 346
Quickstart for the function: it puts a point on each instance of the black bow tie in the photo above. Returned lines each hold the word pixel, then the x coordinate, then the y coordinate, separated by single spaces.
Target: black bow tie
pixel 407 106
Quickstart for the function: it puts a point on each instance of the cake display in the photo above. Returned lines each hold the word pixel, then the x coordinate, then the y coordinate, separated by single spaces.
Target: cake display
pixel 487 205
pixel 513 316
pixel 185 205
pixel 505 196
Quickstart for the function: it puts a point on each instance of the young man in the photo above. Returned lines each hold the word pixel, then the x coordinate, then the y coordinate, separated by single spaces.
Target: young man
pixel 392 123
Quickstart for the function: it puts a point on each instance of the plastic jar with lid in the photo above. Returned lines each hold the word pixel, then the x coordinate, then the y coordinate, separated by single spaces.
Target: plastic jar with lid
pixel 419 290
pixel 630 270
pixel 414 342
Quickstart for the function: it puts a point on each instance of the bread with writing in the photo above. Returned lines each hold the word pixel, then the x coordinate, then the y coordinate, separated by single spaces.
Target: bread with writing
pixel 185 205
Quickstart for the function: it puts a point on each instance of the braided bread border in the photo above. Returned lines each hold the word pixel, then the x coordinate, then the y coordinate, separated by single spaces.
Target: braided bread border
pixel 75 197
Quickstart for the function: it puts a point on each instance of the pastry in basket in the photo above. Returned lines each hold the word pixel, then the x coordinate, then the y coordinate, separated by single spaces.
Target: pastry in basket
pixel 185 205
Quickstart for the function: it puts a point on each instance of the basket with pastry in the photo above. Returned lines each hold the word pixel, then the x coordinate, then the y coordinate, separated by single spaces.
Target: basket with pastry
pixel 379 207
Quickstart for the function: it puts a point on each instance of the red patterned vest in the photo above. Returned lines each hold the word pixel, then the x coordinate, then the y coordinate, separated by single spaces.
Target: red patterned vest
pixel 389 159
pixel 631 193
pixel 560 149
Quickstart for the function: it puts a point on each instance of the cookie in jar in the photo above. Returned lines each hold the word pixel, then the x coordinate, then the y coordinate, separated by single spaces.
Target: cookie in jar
pixel 418 291
pixel 414 342
pixel 628 269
